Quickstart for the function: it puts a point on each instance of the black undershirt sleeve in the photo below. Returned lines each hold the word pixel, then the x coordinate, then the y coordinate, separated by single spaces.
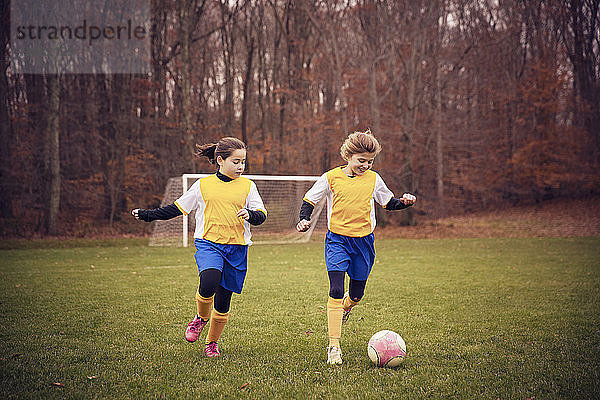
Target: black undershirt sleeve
pixel 256 217
pixel 395 204
pixel 306 210
pixel 167 212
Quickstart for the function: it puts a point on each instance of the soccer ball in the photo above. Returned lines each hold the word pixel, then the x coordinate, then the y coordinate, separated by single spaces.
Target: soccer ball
pixel 386 349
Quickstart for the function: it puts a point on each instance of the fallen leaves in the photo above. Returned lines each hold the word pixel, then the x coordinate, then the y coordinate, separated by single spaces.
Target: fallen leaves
pixel 62 385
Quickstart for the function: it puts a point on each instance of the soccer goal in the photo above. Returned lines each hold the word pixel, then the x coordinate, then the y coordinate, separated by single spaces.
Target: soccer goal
pixel 282 196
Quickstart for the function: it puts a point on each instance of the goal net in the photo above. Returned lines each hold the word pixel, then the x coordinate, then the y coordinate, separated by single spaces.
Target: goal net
pixel 282 196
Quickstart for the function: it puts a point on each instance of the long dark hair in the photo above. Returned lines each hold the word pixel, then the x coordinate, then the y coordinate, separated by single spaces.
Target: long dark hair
pixel 223 148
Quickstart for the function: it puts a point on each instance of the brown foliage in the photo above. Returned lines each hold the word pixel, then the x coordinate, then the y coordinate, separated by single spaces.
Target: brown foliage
pixel 492 100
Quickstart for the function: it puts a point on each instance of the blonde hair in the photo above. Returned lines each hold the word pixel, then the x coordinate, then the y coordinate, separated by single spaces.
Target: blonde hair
pixel 359 142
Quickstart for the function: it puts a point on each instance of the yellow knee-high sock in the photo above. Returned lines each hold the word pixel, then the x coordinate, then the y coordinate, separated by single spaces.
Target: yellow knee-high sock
pixel 348 303
pixel 204 305
pixel 334 321
pixel 217 324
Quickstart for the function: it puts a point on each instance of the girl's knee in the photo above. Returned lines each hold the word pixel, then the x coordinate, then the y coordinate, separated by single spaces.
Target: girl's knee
pixel 336 292
pixel 357 290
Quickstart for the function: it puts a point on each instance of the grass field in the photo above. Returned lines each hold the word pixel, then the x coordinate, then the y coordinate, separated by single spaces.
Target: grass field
pixel 482 318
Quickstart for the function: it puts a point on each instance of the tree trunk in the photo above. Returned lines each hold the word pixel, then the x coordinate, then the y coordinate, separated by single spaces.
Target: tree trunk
pixel 584 23
pixel 159 141
pixel 228 45
pixel 439 153
pixel 375 113
pixel 246 94
pixel 374 99
pixel 5 125
pixel 185 12
pixel 52 156
pixel 439 144
pixel 409 116
pixel 339 84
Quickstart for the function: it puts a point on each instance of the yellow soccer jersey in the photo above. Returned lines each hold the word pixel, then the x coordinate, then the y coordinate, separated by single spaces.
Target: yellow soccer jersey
pixel 350 201
pixel 216 203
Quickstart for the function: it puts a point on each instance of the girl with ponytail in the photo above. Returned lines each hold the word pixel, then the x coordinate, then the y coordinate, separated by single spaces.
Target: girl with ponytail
pixel 226 205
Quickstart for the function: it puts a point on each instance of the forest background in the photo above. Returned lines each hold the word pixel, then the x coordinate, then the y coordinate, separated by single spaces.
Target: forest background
pixel 479 105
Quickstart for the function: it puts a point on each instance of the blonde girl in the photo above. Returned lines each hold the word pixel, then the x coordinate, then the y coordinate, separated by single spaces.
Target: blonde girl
pixel 351 191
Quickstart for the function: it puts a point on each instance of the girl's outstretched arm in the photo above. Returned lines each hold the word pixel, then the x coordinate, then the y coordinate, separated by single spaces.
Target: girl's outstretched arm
pixel 167 212
pixel 405 201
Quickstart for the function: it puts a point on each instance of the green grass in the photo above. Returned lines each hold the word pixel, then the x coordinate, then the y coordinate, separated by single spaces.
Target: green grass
pixel 482 319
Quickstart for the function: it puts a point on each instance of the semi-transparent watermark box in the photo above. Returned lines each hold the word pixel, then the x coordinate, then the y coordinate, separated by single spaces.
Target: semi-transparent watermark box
pixel 80 37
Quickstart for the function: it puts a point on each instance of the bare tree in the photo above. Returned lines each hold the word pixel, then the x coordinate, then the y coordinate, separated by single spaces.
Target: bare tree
pixel 579 21
pixel 417 22
pixel 248 82
pixel 5 125
pixel 52 152
pixel 187 12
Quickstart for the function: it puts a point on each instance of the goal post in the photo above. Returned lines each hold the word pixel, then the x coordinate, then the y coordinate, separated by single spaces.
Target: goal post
pixel 282 196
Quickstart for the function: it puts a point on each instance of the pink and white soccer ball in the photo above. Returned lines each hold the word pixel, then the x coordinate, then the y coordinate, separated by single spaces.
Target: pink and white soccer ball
pixel 386 349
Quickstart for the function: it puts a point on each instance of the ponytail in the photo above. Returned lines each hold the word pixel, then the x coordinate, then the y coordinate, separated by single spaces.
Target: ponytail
pixel 208 151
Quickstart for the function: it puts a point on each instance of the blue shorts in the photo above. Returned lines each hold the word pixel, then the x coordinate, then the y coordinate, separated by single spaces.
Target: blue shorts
pixel 354 255
pixel 230 259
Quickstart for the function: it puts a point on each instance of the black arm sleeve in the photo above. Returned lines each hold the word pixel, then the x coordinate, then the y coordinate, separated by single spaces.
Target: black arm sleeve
pixel 167 212
pixel 256 217
pixel 395 204
pixel 306 210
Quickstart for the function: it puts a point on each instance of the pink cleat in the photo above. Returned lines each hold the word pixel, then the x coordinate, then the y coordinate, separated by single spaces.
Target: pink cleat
pixel 212 349
pixel 194 328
